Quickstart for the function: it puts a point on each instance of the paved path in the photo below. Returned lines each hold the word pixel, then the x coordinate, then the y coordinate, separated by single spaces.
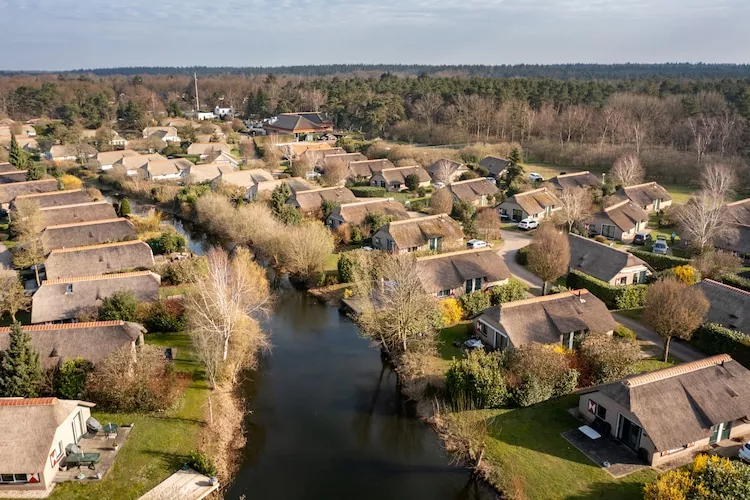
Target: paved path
pixel 183 484
pixel 5 257
pixel 512 241
pixel 677 349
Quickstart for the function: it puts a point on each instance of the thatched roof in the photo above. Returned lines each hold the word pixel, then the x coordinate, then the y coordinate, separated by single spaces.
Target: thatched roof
pixel 311 199
pixel 399 174
pixel 78 213
pixel 98 259
pixel 730 306
pixel 577 179
pixel 315 157
pixel 496 166
pixel 247 178
pixel 87 233
pixel 299 123
pixel 91 341
pixel 544 319
pixel 56 198
pixel 204 148
pixel 342 158
pixel 472 189
pixel 355 213
pixel 644 194
pixel 624 215
pixel 451 270
pixel 160 168
pixel 598 259
pixel 444 165
pixel 737 240
pixel 15 176
pixel 71 151
pixel 417 232
pixel 29 426
pixel 739 211
pixel 679 405
pixel 111 157
pixel 295 184
pixel 366 168
pixel 535 201
pixel 58 300
pixel 9 191
pixel 7 167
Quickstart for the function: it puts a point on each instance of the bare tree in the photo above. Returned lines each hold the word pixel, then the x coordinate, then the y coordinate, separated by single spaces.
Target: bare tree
pixel 674 309
pixel 714 264
pixel 27 224
pixel 335 171
pixel 426 108
pixel 441 201
pixel 488 224
pixel 627 170
pixel 13 297
pixel 442 170
pixel 314 99
pixel 222 309
pixel 704 129
pixel 576 207
pixel 719 181
pixel 307 247
pixel 549 254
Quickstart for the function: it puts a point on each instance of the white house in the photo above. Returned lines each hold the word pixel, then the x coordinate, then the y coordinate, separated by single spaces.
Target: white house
pixel 224 112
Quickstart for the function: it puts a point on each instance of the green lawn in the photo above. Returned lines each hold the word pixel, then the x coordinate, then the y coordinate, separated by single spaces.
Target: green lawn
pixel 456 333
pixel 532 460
pixel 680 193
pixel 171 291
pixel 158 444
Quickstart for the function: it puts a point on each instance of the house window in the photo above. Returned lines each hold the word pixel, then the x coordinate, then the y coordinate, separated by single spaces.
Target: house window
pixel 377 241
pixel 444 293
pixel 13 478
pixel 547 210
pixel 474 285
pixel 69 289
pixel 601 412
pixel 435 243
pixel 622 281
pixel 517 214
pixel 608 230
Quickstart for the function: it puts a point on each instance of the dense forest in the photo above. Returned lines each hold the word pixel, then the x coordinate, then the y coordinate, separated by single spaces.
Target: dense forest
pixel 674 123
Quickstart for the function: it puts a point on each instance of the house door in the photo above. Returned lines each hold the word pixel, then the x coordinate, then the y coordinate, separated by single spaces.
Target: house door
pixel 629 433
pixel 517 215
pixel 720 432
pixel 77 427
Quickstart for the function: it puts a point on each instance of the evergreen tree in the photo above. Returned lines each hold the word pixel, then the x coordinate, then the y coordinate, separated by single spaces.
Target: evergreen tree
pixel 17 157
pixel 36 171
pixel 20 371
pixel 279 197
pixel 515 170
pixel 125 209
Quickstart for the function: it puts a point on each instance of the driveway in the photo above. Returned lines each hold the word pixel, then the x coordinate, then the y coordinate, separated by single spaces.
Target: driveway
pixel 677 348
pixel 5 257
pixel 512 241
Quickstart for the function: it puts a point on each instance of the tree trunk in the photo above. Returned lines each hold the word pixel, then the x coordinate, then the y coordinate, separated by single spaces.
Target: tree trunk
pixel 544 288
pixel 666 348
pixel 36 272
pixel 226 347
pixel 210 411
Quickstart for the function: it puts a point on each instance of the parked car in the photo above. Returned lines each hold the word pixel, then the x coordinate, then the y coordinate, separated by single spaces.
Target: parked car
pixel 534 177
pixel 476 244
pixel 491 179
pixel 528 224
pixel 660 247
pixel 642 238
pixel 504 217
pixel 438 185
pixel 745 452
pixel 473 344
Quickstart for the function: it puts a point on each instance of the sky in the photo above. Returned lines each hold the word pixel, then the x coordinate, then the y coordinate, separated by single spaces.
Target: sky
pixel 74 34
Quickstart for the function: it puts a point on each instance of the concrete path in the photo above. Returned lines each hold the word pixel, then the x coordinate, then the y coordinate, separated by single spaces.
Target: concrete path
pixel 677 348
pixel 5 257
pixel 183 484
pixel 512 241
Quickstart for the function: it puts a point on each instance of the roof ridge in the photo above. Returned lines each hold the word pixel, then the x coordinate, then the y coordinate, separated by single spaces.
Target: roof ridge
pixel 401 168
pixel 17 171
pixel 365 202
pixel 469 180
pixel 34 195
pixel 453 254
pixel 617 205
pixel 316 190
pixel 366 161
pixel 639 185
pixel 78 279
pixel 530 192
pixel 674 371
pixel 728 287
pixel 28 401
pixel 64 326
pixel 739 202
pixel 545 298
pixel 88 223
pixel 29 182
pixel 99 245
pixel 589 240
pixel 74 204
pixel 573 173
pixel 417 219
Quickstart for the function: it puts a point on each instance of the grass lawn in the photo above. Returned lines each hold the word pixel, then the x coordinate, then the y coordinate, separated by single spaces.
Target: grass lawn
pixel 532 460
pixel 680 193
pixel 634 314
pixel 456 333
pixel 158 443
pixel 331 263
pixel 171 291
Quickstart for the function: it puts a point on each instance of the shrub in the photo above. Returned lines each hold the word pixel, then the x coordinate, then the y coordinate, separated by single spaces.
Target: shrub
pixel 624 332
pixel 412 182
pixel 70 379
pixel 713 338
pixel 558 289
pixel 202 463
pixel 368 191
pixel 522 256
pixel 539 372
pixel 167 242
pixel 452 311
pixel 71 182
pixel 183 271
pixel 514 289
pixel 616 297
pixel 346 267
pixel 124 209
pixel 736 281
pixel 601 239
pixel 477 380
pixel 122 306
pixel 660 262
pixel 376 221
pixel 608 358
pixel 165 316
pixel 474 303
pixel 684 274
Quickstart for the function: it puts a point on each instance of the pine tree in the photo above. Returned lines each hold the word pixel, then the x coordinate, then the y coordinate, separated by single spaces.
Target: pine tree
pixel 17 157
pixel 20 371
pixel 125 209
pixel 515 170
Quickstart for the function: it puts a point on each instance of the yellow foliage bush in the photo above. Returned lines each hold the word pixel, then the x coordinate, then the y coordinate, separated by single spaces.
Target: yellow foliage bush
pixel 452 311
pixel 71 182
pixel 685 274
pixel 673 485
pixel 348 293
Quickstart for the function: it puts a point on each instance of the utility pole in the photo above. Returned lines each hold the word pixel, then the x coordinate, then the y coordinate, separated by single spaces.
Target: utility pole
pixel 197 103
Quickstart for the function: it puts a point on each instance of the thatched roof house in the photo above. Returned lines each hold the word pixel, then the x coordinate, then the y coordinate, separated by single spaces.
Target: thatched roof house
pixel 93 341
pixel 56 198
pixel 649 196
pixel 537 204
pixel 456 273
pixel 606 263
pixel 298 123
pixel 204 149
pixel 261 190
pixel 7 167
pixel 435 232
pixel 550 319
pixel 620 221
pixel 9 191
pixel 65 299
pixel 474 191
pixel 315 157
pixel 310 200
pixel 356 213
pixel 98 259
pixel 35 434
pixel 394 179
pixel 576 180
pixel 496 166
pixel 78 213
pixel 364 169
pixel 674 412
pixel 14 176
pixel 87 233
pixel 445 170
pixel 739 211
pixel 730 306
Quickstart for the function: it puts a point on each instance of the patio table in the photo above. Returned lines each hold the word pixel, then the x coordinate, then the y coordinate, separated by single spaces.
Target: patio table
pixel 589 432
pixel 79 459
pixel 110 431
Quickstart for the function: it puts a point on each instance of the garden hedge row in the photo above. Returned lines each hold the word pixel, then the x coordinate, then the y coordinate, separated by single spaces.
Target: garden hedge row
pixel 660 262
pixel 616 297
pixel 368 191
pixel 713 338
pixel 736 281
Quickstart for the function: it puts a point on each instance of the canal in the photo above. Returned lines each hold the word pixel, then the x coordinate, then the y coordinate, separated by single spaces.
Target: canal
pixel 326 418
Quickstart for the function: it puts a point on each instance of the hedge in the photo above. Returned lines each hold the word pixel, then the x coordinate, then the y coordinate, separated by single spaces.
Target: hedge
pixel 713 338
pixel 660 262
pixel 616 297
pixel 522 256
pixel 736 281
pixel 368 191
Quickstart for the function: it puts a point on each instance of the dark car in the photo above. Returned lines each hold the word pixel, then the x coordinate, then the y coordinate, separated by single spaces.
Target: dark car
pixel 642 238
